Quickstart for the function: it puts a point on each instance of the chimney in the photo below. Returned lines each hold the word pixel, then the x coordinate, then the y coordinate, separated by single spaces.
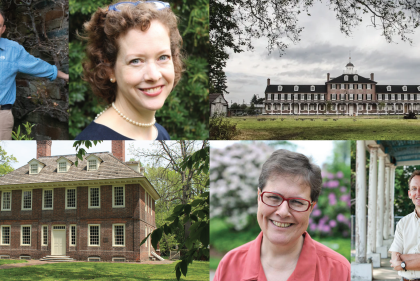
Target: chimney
pixel 268 81
pixel 328 77
pixel 371 76
pixel 118 149
pixel 43 148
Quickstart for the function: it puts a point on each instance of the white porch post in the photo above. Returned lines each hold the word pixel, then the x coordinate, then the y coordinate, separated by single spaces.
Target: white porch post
pixel 281 108
pixel 316 108
pixel 380 202
pixel 361 202
pixel 272 108
pixel 386 213
pixel 392 194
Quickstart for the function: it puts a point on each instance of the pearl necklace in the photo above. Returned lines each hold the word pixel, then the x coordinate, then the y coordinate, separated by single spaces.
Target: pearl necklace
pixel 128 119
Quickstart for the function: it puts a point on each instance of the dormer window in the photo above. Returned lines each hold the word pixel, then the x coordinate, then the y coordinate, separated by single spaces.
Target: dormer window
pixel 346 78
pixel 312 88
pixel 388 88
pixel 356 78
pixel 62 167
pixel 418 88
pixel 405 88
pixel 93 162
pixel 34 169
pixel 92 165
pixel 63 164
pixel 296 88
pixel 280 88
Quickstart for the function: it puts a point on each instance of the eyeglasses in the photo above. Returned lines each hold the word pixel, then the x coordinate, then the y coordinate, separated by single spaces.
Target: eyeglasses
pixel 158 4
pixel 274 200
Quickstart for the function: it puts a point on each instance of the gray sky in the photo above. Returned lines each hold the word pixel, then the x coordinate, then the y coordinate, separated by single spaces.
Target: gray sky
pixel 323 49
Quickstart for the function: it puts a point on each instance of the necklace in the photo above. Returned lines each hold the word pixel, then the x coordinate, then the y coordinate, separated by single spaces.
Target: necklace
pixel 128 119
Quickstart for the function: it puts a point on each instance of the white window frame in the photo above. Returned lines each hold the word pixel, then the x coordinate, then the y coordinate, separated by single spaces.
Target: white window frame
pixel 113 234
pixel 315 97
pixel 10 234
pixel 333 96
pixel 356 78
pixel 282 96
pixel 350 86
pixel 70 235
pixel 418 96
pixel 10 201
pixel 296 96
pixel 302 96
pixel 346 78
pixel 289 96
pixel 30 234
pixel 99 235
pixel 369 107
pixel 404 88
pixel 43 199
pixel 296 88
pixel 411 96
pixel 96 164
pixel 399 96
pixel 388 88
pixel 75 198
pixel 312 88
pixel 351 96
pixel 405 96
pixel 342 96
pixel 322 96
pixel 23 192
pixel 33 166
pixel 386 96
pixel 392 97
pixel 276 96
pixel 418 88
pixel 360 107
pixel 368 86
pixel 89 205
pixel 333 107
pixel 308 96
pixel 379 96
pixel 279 88
pixel 113 196
pixel 333 86
pixel 65 166
pixel 359 96
pixel 368 96
pixel 42 235
pixel 359 86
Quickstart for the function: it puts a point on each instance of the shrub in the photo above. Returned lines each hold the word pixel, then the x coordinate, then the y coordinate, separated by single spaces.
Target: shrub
pixel 221 128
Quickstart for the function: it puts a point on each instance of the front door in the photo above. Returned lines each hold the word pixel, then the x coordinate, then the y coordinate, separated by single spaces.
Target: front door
pixel 350 109
pixel 58 242
pixel 296 107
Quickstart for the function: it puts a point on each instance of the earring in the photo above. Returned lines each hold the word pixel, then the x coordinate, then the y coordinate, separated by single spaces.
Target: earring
pixel 112 80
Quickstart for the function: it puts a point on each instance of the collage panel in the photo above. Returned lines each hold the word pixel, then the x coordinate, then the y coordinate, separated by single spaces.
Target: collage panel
pixel 34 66
pixel 105 210
pixel 385 216
pixel 254 236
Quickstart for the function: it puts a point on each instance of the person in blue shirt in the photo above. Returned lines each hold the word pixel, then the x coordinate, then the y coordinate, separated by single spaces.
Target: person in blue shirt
pixel 13 59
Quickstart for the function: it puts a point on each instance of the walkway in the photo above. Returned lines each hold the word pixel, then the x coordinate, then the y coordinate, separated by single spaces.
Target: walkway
pixel 385 272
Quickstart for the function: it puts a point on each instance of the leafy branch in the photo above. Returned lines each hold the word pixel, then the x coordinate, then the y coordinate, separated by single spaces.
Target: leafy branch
pixel 80 152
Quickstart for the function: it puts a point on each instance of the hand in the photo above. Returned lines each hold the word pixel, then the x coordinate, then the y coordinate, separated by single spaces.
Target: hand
pixel 63 75
pixel 396 263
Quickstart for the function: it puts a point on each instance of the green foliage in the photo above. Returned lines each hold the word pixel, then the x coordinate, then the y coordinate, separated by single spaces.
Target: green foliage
pixel 221 128
pixel 403 205
pixel 80 151
pixel 185 113
pixel 5 162
pixel 11 261
pixel 18 136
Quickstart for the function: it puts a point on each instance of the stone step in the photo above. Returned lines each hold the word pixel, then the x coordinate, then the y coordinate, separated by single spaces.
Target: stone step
pixel 69 260
pixel 57 258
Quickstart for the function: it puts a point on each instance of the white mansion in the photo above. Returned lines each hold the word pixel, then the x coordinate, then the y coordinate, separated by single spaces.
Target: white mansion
pixel 347 94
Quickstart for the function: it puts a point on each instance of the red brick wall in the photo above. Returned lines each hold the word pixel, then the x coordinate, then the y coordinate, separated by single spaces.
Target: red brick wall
pixel 43 148
pixel 118 149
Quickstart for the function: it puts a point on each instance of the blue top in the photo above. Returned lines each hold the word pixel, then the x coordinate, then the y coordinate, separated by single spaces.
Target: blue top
pixel 13 59
pixel 97 131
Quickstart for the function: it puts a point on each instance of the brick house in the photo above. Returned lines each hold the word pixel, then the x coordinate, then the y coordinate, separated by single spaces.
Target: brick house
pixel 348 94
pixel 100 210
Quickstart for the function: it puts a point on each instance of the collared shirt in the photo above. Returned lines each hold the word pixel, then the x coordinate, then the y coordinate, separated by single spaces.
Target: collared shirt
pixel 13 59
pixel 407 241
pixel 316 262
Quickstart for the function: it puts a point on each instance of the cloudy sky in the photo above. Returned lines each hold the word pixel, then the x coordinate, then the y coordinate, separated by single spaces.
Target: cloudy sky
pixel 323 49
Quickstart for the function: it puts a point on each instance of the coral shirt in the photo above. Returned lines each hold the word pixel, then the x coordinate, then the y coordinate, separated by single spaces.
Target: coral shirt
pixel 316 262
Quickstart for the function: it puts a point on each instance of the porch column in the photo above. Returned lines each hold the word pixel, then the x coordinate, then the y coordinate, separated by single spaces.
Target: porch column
pixel 272 108
pixel 373 183
pixel 380 201
pixel 386 212
pixel 392 195
pixel 316 108
pixel 360 202
pixel 281 108
pixel 299 108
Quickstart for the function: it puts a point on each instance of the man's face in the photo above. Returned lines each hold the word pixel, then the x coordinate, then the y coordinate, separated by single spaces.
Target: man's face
pixel 2 26
pixel 414 191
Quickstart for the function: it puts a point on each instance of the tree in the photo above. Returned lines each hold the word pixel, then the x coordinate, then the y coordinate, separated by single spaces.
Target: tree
pixel 234 106
pixel 235 23
pixel 243 106
pixel 251 110
pixel 5 162
pixel 254 99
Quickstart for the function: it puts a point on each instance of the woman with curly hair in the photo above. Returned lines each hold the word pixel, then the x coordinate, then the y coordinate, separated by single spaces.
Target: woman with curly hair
pixel 133 62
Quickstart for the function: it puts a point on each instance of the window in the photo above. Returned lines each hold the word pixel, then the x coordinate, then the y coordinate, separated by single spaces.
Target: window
pixel 312 88
pixel 356 78
pixel 346 78
pixel 5 234
pixel 360 106
pixel 279 88
pixel 296 88
pixel 289 96
pixel 309 97
pixel 379 96
pixel 295 96
pixel 47 199
pixel 118 197
pixel 388 88
pixel 71 198
pixel 45 235
pixel 333 96
pixel 311 107
pixel 282 96
pixel 94 234
pixel 359 96
pixel 418 96
pixel 302 97
pixel 333 107
pixel 315 97
pixel 369 107
pixel 268 96
pixel 94 197
pixel 392 97
pixel 369 96
pixel 332 86
pixel 405 88
pixel 399 96
pixel 6 201
pixel 72 235
pixel 342 107
pixel 62 167
pixel 405 97
pixel 386 96
pixel 351 96
pixel 34 168
pixel 359 86
pixel 276 97
pixel 118 234
pixel 411 96
pixel 25 235
pixel 342 96
pixel 351 86
pixel 26 199
pixel 343 87
pixel 322 96
pixel 368 86
pixel 92 165
pixel 418 88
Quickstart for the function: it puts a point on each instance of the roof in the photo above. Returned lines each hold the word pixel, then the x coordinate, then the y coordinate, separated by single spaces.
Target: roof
pixel 360 79
pixel 397 89
pixel 349 64
pixel 290 89
pixel 215 96
pixel 402 152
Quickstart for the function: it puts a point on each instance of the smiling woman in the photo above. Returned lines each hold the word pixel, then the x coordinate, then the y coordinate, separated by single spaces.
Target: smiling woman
pixel 133 63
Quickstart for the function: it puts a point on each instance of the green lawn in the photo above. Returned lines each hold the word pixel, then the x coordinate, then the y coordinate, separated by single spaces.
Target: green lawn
pixel 11 261
pixel 104 271
pixel 364 128
pixel 222 240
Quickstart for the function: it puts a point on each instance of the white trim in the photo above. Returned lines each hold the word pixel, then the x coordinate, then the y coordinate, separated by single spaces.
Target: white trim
pixel 43 199
pixel 42 235
pixel 113 196
pixel 75 199
pixel 279 88
pixel 404 88
pixel 33 166
pixel 2 198
pixel 296 88
pixel 96 259
pixel 21 234
pixel 70 235
pixel 23 192
pixel 10 235
pixel 65 168
pixel 94 207
pixel 99 235
pixel 120 258
pixel 388 88
pixel 113 234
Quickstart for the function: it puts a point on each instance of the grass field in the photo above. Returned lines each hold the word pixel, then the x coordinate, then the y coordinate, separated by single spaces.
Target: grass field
pixel 11 261
pixel 104 271
pixel 364 128
pixel 222 240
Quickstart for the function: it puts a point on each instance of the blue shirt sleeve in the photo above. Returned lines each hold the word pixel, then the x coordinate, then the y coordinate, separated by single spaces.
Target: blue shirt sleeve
pixel 28 64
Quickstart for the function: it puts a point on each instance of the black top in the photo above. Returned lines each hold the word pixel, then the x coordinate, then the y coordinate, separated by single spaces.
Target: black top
pixel 97 131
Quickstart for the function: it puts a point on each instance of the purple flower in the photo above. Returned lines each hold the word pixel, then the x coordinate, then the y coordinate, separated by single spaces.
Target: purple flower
pixel 341 218
pixel 326 228
pixel 343 189
pixel 346 198
pixel 312 226
pixel 330 176
pixel 333 223
pixel 333 184
pixel 339 175
pixel 332 198
pixel 316 212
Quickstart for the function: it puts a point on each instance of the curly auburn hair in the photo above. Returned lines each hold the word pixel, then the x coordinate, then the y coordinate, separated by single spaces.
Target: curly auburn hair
pixel 102 32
